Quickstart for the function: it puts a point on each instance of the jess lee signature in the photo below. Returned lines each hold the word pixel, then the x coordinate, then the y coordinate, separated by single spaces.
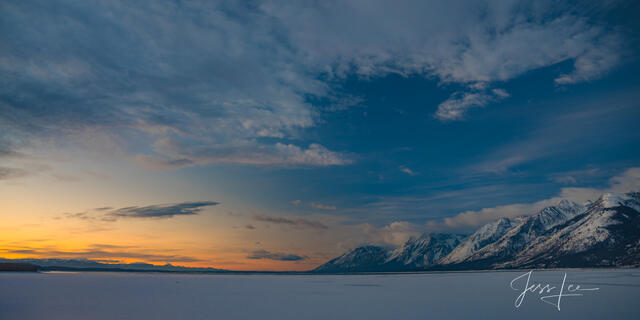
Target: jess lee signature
pixel 547 293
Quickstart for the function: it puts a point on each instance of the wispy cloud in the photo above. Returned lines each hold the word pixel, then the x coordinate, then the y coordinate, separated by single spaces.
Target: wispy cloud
pixel 447 211
pixel 322 206
pixel 593 63
pixel 295 222
pixel 178 155
pixel 565 179
pixel 457 105
pixel 586 124
pixel 628 180
pixel 469 48
pixel 9 173
pixel 263 254
pixel 573 177
pixel 395 233
pixel 152 211
pixel 100 251
pixel 407 171
pixel 162 211
pixel 79 215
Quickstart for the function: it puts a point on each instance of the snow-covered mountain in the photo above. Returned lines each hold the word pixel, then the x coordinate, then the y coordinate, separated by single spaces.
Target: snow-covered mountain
pixel 361 259
pixel 485 235
pixel 605 232
pixel 425 250
pixel 417 253
pixel 523 230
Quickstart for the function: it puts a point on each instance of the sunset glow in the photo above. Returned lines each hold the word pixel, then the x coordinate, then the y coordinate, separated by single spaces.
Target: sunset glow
pixel 277 136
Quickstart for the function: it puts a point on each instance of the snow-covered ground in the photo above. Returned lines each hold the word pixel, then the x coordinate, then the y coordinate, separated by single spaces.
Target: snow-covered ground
pixel 481 295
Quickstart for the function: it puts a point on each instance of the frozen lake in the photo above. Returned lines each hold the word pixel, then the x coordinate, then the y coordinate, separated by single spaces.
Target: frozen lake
pixel 391 296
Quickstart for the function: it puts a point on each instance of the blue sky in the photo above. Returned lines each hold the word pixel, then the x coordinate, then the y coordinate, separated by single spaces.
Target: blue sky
pixel 363 113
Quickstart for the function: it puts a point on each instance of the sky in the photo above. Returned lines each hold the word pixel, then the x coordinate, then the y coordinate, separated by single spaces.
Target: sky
pixel 275 135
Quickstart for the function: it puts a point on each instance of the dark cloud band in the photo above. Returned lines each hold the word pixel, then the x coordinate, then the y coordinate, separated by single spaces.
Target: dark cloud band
pixel 264 254
pixel 162 211
pixel 296 222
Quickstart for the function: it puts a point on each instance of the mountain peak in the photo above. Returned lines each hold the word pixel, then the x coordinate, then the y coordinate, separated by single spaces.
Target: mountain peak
pixel 364 258
pixel 612 200
pixel 567 204
pixel 424 250
pixel 485 235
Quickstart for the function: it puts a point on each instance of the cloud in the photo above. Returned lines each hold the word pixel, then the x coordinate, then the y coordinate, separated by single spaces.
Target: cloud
pixel 296 222
pixel 100 251
pixel 217 82
pixel 565 180
pixel 407 171
pixel 455 107
pixel 585 124
pixel 79 215
pixel 162 211
pixel 7 152
pixel 66 178
pixel 152 211
pixel 263 254
pixel 322 206
pixel 627 181
pixel 296 202
pixel 226 83
pixel 250 226
pixel 161 163
pixel 177 155
pixel 592 63
pixel 574 176
pixel 472 45
pixel 394 234
pixel 10 173
pixel 470 220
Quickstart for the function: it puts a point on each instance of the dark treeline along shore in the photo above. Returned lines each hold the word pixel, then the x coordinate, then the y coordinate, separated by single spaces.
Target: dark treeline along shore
pixel 18 267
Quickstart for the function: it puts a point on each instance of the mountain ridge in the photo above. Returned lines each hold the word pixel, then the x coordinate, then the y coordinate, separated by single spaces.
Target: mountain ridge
pixel 601 233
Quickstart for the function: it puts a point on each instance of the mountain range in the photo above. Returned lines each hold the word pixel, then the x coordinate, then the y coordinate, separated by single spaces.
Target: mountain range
pixel 55 264
pixel 602 233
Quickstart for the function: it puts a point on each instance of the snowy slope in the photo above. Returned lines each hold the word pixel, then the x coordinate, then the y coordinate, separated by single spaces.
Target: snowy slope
pixel 529 228
pixel 361 259
pixel 425 250
pixel 487 234
pixel 607 234
pixel 417 253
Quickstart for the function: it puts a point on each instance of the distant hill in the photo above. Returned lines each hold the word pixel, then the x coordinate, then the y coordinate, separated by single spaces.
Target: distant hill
pixel 89 265
pixel 17 267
